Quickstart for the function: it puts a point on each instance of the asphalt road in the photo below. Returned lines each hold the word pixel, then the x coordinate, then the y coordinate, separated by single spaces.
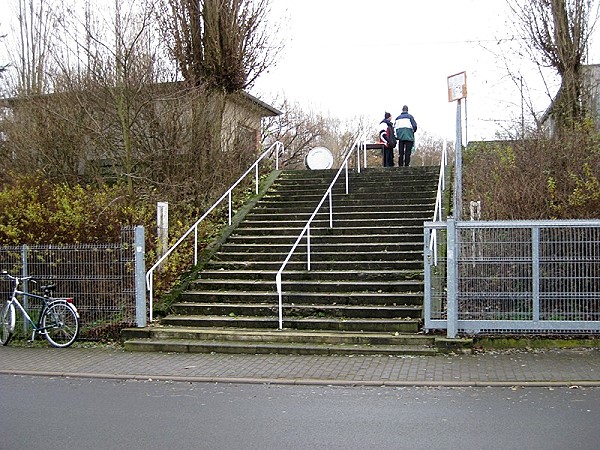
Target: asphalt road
pixel 69 413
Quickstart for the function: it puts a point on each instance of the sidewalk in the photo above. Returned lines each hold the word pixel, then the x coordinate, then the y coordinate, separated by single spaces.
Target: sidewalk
pixel 579 367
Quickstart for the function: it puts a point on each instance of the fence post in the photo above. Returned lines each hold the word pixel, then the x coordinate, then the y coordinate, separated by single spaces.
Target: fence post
pixel 535 271
pixel 140 280
pixel 427 277
pixel 25 273
pixel 451 299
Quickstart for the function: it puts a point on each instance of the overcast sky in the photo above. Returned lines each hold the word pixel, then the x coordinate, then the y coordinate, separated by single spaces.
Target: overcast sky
pixel 350 58
pixel 355 57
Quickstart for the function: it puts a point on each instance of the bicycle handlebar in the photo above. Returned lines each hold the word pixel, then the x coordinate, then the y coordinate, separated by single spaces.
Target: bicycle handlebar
pixel 18 279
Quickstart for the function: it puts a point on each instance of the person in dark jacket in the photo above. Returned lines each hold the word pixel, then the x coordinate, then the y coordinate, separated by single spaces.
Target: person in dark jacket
pixel 405 127
pixel 387 138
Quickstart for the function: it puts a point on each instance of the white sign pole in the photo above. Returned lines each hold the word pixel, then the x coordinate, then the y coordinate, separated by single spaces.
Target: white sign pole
pixel 458 164
pixel 162 227
pixel 457 90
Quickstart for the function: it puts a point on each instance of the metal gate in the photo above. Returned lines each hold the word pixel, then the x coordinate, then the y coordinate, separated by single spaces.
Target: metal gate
pixel 512 277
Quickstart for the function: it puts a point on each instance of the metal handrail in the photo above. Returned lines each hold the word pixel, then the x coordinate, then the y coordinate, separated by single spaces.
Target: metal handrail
pixel 437 214
pixel 277 147
pixel 358 144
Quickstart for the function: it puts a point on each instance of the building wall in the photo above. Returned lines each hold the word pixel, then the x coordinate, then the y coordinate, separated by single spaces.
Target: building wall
pixel 591 86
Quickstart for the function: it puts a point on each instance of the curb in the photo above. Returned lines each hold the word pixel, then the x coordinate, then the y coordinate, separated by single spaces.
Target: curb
pixel 572 384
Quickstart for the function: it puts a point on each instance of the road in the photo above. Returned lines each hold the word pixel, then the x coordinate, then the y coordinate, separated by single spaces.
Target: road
pixel 61 413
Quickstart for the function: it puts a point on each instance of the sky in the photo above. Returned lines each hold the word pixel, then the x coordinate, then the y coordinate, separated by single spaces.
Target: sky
pixel 350 58
pixel 356 58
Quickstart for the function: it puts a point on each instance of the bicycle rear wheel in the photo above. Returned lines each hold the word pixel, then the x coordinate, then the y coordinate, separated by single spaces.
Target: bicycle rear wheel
pixel 8 322
pixel 60 323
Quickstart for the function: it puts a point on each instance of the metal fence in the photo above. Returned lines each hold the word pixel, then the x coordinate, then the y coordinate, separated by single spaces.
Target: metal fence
pixel 101 278
pixel 517 277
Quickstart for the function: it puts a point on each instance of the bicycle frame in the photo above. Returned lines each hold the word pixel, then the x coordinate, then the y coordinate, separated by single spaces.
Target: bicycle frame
pixel 35 325
pixel 46 300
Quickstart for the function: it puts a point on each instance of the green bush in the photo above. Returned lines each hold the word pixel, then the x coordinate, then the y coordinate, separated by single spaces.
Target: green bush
pixel 36 211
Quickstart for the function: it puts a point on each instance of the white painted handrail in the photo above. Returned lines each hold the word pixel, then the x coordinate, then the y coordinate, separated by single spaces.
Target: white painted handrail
pixel 437 214
pixel 358 144
pixel 277 147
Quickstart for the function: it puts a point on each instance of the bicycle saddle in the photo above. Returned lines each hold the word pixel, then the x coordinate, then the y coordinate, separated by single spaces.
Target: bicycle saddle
pixel 48 289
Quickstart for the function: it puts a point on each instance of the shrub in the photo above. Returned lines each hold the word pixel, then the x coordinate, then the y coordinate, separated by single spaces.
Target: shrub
pixel 536 178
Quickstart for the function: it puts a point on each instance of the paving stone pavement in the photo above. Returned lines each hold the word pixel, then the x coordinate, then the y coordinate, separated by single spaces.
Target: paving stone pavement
pixel 573 367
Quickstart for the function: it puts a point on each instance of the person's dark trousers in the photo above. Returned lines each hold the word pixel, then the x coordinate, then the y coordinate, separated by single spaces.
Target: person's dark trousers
pixel 404 150
pixel 388 157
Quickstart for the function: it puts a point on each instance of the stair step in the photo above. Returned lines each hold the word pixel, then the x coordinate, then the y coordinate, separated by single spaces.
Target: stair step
pixel 303 298
pixel 325 323
pixel 315 265
pixel 254 309
pixel 347 200
pixel 276 335
pixel 327 231
pixel 345 213
pixel 368 223
pixel 321 246
pixel 347 204
pixel 243 347
pixel 313 275
pixel 339 239
pixel 320 286
pixel 423 211
pixel 321 256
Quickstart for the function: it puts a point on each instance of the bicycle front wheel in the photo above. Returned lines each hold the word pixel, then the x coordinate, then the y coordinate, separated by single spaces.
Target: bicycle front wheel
pixel 60 323
pixel 8 322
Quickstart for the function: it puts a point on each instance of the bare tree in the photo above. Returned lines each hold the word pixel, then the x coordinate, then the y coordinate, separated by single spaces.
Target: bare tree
pixel 429 150
pixel 221 44
pixel 5 66
pixel 221 47
pixel 557 33
pixel 37 21
pixel 300 131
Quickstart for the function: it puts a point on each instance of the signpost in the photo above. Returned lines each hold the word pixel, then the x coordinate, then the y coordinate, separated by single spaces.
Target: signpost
pixel 457 90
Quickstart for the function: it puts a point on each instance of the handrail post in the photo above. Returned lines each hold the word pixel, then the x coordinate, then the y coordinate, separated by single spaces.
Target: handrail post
pixel 196 245
pixel 331 210
pixel 347 180
pixel 280 302
pixel 444 162
pixel 308 247
pixel 230 207
pixel 256 179
pixel 149 282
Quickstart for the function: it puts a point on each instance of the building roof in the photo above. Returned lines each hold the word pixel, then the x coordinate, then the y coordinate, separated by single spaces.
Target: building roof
pixel 266 109
pixel 270 109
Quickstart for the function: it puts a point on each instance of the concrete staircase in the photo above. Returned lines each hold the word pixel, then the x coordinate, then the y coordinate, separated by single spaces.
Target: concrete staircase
pixel 363 295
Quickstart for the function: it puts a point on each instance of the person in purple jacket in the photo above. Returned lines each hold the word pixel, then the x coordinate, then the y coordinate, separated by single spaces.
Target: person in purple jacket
pixel 387 138
pixel 405 127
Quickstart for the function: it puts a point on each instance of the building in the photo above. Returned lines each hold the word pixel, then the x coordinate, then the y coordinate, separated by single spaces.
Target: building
pixel 590 99
pixel 89 132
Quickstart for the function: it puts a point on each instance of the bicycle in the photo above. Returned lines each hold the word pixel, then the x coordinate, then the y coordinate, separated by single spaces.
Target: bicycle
pixel 58 321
